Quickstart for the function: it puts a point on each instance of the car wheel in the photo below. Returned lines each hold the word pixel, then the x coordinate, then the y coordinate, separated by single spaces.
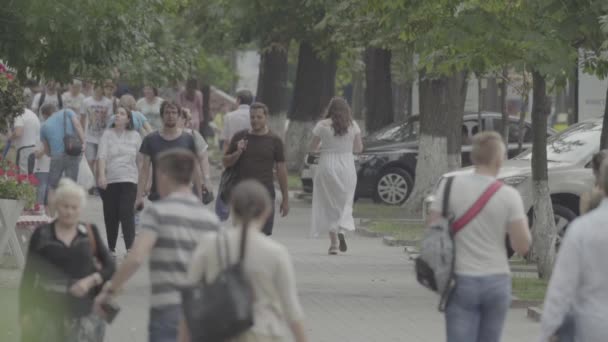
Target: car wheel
pixel 563 216
pixel 393 186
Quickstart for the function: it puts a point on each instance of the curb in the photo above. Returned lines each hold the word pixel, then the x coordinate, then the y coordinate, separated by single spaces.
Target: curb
pixel 534 313
pixel 517 303
pixel 393 242
pixel 367 233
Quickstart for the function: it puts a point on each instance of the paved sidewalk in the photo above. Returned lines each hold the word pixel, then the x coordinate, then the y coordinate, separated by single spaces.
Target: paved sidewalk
pixel 368 294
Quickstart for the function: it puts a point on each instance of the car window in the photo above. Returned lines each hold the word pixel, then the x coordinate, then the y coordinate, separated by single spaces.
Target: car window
pixel 404 131
pixel 577 143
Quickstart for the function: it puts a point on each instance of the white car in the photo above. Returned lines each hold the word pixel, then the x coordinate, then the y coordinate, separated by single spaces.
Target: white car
pixel 569 155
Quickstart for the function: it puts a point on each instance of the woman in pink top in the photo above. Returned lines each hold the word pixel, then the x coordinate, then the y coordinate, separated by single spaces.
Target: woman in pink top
pixel 193 100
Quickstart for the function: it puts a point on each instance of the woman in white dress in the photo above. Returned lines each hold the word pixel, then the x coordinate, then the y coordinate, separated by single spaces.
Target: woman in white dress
pixel 336 137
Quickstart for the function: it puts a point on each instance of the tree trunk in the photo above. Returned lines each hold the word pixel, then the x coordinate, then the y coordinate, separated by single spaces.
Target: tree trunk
pixel 205 129
pixel 432 160
pixel 378 89
pixel 491 100
pixel 401 100
pixel 358 106
pixel 314 87
pixel 479 104
pixel 457 94
pixel 503 107
pixel 604 136
pixel 544 223
pixel 272 85
pixel 522 114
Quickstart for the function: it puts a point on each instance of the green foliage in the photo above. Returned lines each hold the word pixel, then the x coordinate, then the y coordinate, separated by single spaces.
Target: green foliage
pixel 11 98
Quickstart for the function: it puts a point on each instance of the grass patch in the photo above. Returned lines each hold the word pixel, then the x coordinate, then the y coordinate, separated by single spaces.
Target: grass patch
pixel 9 327
pixel 533 289
pixel 370 210
pixel 294 182
pixel 398 230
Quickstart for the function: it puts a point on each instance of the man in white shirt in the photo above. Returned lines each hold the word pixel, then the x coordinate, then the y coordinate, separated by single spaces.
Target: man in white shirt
pixel 239 119
pixel 26 133
pixel 96 113
pixel 50 95
pixel 74 98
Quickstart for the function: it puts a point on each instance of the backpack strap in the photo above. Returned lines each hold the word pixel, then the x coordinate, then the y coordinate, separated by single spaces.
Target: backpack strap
pixel 446 196
pixel 476 207
pixel 59 101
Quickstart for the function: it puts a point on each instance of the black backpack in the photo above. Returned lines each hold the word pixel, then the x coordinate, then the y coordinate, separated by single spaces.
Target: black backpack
pixel 43 96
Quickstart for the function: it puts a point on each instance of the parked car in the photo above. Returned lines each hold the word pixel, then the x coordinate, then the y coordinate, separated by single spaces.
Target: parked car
pixel 386 167
pixel 569 155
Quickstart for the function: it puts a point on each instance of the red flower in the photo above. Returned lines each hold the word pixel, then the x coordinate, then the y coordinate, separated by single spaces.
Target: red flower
pixel 33 180
pixel 1 172
pixel 10 76
pixel 11 173
pixel 21 178
pixel 2 68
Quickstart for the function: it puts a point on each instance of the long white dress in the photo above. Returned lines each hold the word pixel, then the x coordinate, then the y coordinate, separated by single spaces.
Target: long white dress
pixel 334 181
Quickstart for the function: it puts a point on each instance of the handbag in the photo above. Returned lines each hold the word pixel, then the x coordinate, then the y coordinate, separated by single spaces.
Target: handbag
pixel 223 308
pixel 71 142
pixel 227 183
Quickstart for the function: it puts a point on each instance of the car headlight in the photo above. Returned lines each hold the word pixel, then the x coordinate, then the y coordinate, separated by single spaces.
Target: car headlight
pixel 514 181
pixel 362 158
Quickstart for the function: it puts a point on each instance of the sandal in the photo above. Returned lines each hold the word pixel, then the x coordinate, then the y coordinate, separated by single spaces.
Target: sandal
pixel 342 239
pixel 333 250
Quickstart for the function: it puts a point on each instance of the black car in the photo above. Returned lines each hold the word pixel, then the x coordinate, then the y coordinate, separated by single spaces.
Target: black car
pixel 386 167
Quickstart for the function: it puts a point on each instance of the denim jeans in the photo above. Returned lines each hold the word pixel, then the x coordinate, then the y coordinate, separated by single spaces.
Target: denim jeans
pixel 43 185
pixel 477 308
pixel 163 324
pixel 63 166
pixel 221 209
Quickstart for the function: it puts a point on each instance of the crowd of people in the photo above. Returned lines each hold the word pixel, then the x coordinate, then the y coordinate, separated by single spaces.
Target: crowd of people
pixel 150 154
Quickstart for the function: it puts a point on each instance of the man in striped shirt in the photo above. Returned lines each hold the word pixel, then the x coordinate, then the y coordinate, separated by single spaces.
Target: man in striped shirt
pixel 170 230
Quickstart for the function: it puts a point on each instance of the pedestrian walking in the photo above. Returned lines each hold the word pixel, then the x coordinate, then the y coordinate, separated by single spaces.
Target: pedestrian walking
pixel 255 153
pixel 50 95
pixel 149 105
pixel 234 122
pixel 577 295
pixel 336 138
pixel 591 199
pixel 168 137
pixel 201 149
pixel 74 98
pixel 42 167
pixel 117 177
pixel 477 307
pixel 109 88
pixel 170 229
pixel 96 115
pixel 192 98
pixel 66 263
pixel 140 122
pixel 266 265
pixel 32 87
pixel 57 126
pixel 25 136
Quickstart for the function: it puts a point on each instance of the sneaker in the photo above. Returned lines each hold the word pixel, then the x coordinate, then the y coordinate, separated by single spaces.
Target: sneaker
pixel 343 247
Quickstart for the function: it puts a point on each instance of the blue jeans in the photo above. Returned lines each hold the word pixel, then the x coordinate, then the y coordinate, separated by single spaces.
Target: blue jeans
pixel 477 308
pixel 163 324
pixel 43 186
pixel 221 209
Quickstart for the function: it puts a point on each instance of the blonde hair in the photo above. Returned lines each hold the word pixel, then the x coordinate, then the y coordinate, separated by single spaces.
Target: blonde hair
pixel 68 187
pixel 487 146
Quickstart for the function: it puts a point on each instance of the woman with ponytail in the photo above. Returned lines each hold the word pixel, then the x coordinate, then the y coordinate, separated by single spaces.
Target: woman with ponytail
pixel 267 265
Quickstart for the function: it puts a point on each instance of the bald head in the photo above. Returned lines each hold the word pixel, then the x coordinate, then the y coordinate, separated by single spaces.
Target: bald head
pixel 488 148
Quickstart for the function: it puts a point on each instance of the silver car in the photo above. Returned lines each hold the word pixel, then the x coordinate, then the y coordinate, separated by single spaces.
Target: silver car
pixel 569 156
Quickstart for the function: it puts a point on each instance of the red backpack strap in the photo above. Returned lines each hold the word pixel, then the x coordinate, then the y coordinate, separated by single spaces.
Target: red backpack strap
pixel 476 207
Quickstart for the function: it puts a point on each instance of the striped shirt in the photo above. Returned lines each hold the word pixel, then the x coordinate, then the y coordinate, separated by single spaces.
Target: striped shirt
pixel 179 221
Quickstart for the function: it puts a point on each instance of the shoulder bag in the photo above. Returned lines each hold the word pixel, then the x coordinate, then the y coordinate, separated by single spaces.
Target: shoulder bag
pixel 221 309
pixel 71 142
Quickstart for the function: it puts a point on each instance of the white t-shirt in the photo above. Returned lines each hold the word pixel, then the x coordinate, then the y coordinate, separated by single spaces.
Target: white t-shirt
pixel 120 153
pixel 151 111
pixel 480 245
pixel 54 99
pixel 73 102
pixel 236 121
pixel 98 114
pixel 43 164
pixel 31 129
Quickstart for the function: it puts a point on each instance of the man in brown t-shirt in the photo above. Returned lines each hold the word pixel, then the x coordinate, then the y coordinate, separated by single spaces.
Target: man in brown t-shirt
pixel 255 153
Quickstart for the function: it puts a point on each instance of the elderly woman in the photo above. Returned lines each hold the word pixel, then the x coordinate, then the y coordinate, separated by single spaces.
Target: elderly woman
pixel 577 296
pixel 66 264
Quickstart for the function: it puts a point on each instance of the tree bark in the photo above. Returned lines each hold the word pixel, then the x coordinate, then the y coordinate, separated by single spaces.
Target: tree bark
pixel 205 129
pixel 491 100
pixel 432 161
pixel 543 230
pixel 457 94
pixel 378 90
pixel 358 106
pixel 522 114
pixel 314 87
pixel 272 85
pixel 604 136
pixel 503 107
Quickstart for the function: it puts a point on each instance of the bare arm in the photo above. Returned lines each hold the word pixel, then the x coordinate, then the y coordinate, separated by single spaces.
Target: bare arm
pixel 78 128
pixel 231 159
pixel 183 335
pixel 357 144
pixel 519 234
pixel 144 170
pixel 297 329
pixel 101 168
pixel 46 148
pixel 314 144
pixel 206 169
pixel 17 133
pixel 83 120
pixel 282 176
